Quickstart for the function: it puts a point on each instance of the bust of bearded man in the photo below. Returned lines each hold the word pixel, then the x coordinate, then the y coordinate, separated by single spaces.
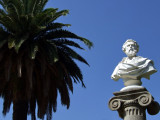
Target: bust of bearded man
pixel 132 68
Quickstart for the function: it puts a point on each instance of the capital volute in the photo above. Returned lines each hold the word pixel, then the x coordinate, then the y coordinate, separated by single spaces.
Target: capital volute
pixel 145 99
pixel 114 104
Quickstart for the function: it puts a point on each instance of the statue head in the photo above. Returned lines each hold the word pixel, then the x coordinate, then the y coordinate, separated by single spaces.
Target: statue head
pixel 130 48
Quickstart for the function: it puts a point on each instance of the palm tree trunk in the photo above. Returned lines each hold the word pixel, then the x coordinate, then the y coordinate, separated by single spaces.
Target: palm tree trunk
pixel 20 109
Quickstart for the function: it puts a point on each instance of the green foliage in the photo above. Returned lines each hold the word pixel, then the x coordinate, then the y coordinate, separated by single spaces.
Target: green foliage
pixel 36 58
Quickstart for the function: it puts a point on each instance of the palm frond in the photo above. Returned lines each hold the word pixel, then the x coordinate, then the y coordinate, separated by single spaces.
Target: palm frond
pixel 8 65
pixel 15 8
pixel 7 95
pixel 44 2
pixel 53 16
pixel 51 51
pixel 65 100
pixel 66 34
pixel 32 6
pixel 2 4
pixel 73 54
pixel 40 6
pixel 72 68
pixel 33 49
pixel 67 42
pixel 41 17
pixel 2 12
pixel 19 41
pixel 53 26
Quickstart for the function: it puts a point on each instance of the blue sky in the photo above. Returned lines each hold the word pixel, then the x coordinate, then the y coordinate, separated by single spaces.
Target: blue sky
pixel 108 23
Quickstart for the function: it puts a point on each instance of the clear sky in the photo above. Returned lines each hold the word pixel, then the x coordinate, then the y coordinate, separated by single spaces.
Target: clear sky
pixel 108 23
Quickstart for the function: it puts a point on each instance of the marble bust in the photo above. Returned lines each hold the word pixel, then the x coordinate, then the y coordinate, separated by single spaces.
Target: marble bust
pixel 132 68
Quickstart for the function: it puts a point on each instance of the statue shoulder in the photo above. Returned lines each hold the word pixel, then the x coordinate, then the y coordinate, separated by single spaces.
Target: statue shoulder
pixel 141 58
pixel 123 59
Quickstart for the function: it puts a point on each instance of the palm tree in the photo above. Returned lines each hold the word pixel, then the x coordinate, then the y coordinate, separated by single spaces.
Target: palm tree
pixel 36 58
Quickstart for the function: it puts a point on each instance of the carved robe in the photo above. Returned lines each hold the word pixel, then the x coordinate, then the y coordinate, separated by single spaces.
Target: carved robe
pixel 136 68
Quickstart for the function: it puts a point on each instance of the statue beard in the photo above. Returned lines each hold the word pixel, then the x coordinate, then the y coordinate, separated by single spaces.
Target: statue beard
pixel 131 52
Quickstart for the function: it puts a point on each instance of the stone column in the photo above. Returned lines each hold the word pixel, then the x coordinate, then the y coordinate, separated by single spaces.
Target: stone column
pixel 132 104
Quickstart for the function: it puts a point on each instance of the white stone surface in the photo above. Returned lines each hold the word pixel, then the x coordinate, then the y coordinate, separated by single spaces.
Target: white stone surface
pixel 132 87
pixel 132 68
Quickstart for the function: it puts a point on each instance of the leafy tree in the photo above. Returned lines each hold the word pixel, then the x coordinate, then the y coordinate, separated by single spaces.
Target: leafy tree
pixel 36 58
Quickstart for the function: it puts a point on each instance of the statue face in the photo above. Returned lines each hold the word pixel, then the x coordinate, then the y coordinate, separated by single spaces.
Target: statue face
pixel 130 49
